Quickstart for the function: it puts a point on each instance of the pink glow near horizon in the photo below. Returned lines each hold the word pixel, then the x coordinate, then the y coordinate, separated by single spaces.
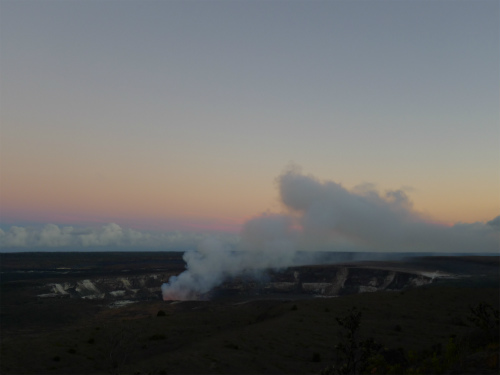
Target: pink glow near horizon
pixel 192 224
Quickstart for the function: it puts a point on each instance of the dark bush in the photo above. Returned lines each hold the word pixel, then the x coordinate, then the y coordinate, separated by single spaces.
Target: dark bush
pixel 161 313
pixel 158 337
pixel 353 355
pixel 316 357
pixel 486 318
pixel 395 356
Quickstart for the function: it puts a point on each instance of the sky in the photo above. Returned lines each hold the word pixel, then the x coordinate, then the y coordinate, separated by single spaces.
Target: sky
pixel 160 119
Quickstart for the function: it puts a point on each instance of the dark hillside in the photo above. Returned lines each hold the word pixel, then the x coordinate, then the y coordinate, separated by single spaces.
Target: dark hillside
pixel 281 333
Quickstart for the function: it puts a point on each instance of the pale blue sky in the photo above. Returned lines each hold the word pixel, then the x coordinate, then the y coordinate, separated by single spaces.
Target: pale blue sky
pixel 217 97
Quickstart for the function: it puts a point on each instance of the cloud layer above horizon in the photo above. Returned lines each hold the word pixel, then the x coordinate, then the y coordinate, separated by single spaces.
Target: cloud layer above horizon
pixel 317 216
pixel 110 236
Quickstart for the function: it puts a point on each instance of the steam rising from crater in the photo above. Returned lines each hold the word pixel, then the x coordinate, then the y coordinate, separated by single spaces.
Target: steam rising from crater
pixel 325 216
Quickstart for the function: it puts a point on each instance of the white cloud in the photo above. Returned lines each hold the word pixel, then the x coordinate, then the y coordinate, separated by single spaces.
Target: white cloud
pixel 108 236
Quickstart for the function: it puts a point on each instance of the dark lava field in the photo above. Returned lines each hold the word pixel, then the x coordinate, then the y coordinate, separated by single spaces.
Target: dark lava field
pixel 99 313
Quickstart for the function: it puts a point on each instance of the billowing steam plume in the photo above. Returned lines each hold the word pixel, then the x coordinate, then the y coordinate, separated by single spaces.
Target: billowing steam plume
pixel 325 216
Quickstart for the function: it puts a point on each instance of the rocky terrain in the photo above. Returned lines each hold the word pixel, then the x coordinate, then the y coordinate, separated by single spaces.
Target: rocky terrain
pixel 296 282
pixel 119 279
pixel 326 281
pixel 140 287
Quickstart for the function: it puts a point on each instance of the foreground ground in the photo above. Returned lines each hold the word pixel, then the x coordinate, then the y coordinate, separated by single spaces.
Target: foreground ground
pixel 278 336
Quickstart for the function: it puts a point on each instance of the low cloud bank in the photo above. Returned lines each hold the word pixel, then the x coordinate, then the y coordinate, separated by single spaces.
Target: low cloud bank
pixel 326 216
pixel 110 236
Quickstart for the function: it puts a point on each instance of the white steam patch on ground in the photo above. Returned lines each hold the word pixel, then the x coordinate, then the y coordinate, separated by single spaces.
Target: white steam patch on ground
pixel 325 216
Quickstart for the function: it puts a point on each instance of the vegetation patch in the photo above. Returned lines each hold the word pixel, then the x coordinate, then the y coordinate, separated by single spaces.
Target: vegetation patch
pixel 157 336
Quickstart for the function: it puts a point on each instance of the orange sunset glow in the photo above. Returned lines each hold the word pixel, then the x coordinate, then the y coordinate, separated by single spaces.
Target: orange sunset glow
pixel 191 130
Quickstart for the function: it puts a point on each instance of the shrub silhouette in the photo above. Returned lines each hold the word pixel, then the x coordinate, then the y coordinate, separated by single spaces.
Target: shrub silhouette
pixel 486 318
pixel 120 342
pixel 158 336
pixel 316 357
pixel 353 354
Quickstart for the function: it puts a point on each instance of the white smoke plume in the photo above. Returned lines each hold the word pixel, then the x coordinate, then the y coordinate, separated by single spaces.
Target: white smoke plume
pixel 369 221
pixel 326 216
pixel 267 242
